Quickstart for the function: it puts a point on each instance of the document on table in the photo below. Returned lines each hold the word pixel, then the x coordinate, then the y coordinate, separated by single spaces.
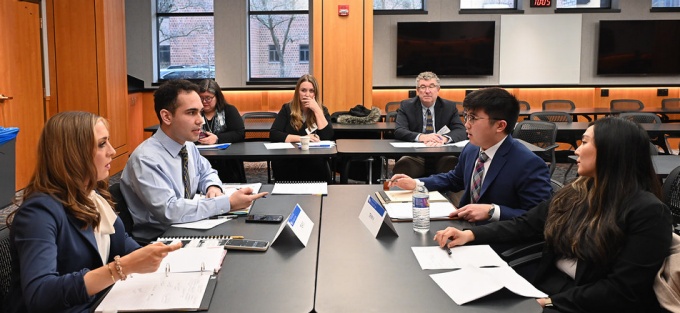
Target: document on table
pixel 471 283
pixel 408 144
pixel 461 143
pixel 404 210
pixel 198 259
pixel 294 188
pixel 436 258
pixel 202 224
pixel 231 188
pixel 215 146
pixel 319 144
pixel 278 145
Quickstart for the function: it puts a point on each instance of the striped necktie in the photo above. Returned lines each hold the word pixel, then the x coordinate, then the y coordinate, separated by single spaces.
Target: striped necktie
pixel 185 171
pixel 429 128
pixel 477 177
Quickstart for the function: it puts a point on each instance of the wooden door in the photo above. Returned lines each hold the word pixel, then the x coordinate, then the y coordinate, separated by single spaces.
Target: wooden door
pixel 21 75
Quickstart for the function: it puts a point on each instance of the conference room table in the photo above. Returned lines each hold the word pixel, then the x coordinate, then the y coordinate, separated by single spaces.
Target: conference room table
pixel 281 279
pixel 361 273
pixel 257 151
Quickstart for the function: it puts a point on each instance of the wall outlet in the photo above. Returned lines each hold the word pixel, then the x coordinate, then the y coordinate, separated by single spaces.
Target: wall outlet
pixel 662 92
pixel 604 92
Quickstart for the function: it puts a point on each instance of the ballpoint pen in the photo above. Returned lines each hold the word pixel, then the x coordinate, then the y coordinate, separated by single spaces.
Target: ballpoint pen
pixel 448 250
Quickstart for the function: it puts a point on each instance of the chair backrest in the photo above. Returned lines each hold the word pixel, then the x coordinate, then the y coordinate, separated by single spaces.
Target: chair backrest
pixel 6 266
pixel 121 207
pixel 558 105
pixel 391 117
pixel 670 103
pixel 671 194
pixel 551 116
pixel 258 117
pixel 541 134
pixel 392 106
pixel 641 117
pixel 556 185
pixel 523 105
pixel 626 105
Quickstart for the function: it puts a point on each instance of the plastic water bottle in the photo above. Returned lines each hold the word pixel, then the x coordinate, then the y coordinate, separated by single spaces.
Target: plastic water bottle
pixel 421 208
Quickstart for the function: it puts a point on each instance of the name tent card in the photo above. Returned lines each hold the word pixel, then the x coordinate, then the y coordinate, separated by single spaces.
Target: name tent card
pixel 375 217
pixel 299 223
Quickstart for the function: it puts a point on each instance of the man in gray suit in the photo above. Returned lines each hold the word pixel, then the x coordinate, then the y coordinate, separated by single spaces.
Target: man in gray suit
pixel 430 119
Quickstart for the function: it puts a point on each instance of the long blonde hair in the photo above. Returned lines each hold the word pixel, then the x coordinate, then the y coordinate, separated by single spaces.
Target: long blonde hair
pixel 296 104
pixel 65 167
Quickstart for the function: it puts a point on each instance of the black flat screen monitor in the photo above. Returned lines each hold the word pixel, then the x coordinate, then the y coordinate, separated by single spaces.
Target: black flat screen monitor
pixel 445 48
pixel 650 47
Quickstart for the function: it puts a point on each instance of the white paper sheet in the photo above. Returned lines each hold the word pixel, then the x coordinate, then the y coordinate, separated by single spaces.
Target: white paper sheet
pixel 202 224
pixel 434 257
pixel 404 210
pixel 408 144
pixel 193 260
pixel 278 145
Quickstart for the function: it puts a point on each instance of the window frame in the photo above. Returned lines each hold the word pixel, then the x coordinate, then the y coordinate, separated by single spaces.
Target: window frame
pixel 158 17
pixel 401 11
pixel 272 80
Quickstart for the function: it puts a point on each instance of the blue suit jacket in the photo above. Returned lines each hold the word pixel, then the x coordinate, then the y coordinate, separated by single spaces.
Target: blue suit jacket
pixel 516 181
pixel 52 254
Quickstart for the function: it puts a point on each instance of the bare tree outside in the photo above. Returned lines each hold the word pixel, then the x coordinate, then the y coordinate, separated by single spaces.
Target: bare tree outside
pixel 397 4
pixel 281 31
pixel 186 38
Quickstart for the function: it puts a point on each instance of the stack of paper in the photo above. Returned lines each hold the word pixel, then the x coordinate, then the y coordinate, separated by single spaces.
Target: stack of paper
pixel 294 188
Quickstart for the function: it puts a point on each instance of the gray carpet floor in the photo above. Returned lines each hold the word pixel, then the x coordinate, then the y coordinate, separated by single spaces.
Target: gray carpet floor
pixel 256 172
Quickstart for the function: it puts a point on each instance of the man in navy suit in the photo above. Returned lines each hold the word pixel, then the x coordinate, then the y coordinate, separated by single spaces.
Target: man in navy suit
pixel 413 118
pixel 513 178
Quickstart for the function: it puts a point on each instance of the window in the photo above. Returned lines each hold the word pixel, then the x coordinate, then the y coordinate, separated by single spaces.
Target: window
pixel 304 53
pixel 398 5
pixel 488 4
pixel 274 56
pixel 583 4
pixel 186 41
pixel 665 3
pixel 276 28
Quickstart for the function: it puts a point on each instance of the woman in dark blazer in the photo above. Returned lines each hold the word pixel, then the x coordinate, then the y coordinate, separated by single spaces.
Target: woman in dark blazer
pixel 606 234
pixel 222 124
pixel 67 243
pixel 302 116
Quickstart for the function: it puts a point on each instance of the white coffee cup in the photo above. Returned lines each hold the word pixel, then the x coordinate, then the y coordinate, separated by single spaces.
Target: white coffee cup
pixel 304 142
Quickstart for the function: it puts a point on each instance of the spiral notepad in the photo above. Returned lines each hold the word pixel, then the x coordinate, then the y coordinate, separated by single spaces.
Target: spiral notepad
pixel 300 188
pixel 196 241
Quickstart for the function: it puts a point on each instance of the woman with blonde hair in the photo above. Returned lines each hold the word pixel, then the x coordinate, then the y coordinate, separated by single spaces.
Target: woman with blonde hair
pixel 302 116
pixel 606 234
pixel 67 243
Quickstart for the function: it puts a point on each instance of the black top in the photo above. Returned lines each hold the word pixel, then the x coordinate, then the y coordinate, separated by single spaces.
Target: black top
pixel 281 127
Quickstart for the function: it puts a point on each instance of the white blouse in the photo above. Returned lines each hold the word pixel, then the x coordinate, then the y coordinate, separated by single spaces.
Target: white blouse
pixel 107 218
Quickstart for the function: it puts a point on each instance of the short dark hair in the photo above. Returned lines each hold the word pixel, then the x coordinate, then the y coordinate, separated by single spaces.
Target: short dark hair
pixel 166 95
pixel 498 103
pixel 211 86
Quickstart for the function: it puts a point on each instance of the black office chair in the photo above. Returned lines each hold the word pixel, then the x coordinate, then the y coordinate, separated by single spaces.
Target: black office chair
pixel 671 195
pixel 524 106
pixel 541 134
pixel 121 207
pixel 670 104
pixel 642 117
pixel 6 268
pixel 626 105
pixel 260 136
pixel 558 105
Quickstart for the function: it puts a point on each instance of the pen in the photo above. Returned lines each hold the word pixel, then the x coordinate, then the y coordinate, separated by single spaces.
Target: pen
pixel 448 250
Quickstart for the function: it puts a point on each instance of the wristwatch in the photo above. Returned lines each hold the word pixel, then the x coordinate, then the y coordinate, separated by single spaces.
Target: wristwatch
pixel 491 210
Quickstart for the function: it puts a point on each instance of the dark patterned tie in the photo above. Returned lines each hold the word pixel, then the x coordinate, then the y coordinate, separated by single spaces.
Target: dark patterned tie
pixel 429 128
pixel 185 171
pixel 477 177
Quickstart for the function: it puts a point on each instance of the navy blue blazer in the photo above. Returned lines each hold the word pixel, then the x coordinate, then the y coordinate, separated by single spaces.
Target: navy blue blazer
pixel 516 181
pixel 410 120
pixel 53 253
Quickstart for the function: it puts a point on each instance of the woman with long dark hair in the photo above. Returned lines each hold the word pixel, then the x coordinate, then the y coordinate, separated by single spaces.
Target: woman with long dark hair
pixel 606 234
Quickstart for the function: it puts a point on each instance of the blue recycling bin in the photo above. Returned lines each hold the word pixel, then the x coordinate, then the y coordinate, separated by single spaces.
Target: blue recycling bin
pixel 7 165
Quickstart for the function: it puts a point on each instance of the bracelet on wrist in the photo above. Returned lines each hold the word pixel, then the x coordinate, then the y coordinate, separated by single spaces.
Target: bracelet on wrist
pixel 119 268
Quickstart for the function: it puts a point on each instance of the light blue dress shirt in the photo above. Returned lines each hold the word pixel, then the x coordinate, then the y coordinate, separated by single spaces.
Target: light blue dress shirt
pixel 153 189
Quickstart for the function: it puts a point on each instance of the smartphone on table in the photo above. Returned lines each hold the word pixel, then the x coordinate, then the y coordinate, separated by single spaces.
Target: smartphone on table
pixel 264 218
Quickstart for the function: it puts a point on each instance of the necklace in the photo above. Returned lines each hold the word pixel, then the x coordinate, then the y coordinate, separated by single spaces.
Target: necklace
pixel 210 124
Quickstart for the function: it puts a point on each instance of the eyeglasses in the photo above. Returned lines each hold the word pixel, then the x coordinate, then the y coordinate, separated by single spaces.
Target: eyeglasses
pixel 472 119
pixel 207 99
pixel 423 87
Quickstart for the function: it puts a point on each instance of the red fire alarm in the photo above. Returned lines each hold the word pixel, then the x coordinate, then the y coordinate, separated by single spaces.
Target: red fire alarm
pixel 343 9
